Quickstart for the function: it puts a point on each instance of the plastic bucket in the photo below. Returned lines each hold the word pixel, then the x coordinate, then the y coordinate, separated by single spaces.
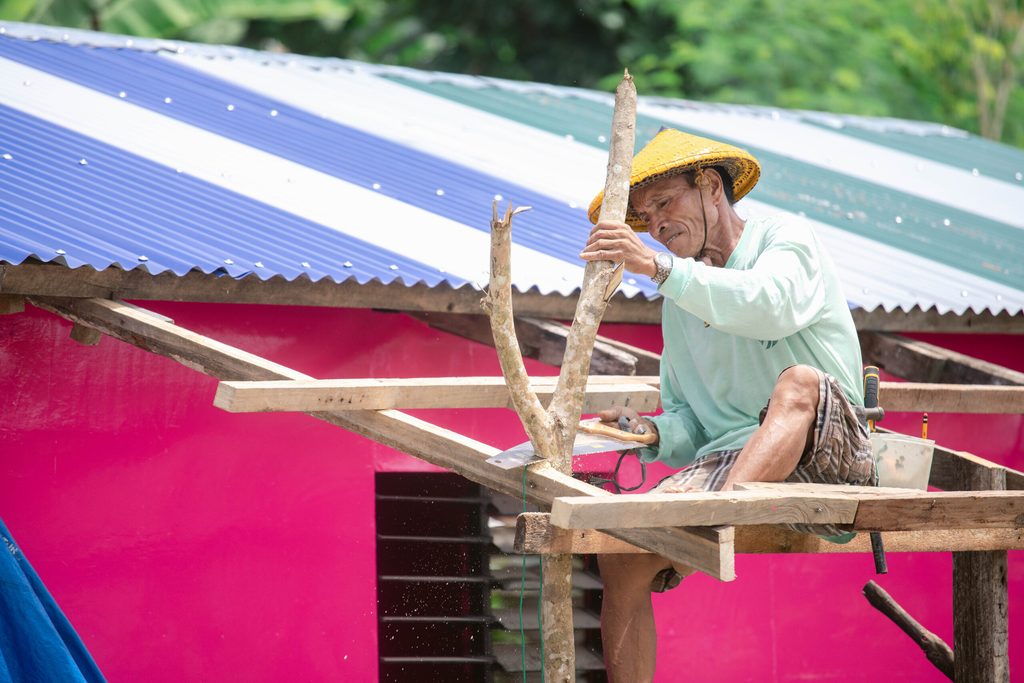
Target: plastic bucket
pixel 902 461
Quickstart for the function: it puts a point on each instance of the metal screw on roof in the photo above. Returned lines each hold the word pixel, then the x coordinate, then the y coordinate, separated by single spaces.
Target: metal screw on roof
pixel 975 172
pixel 347 264
pixel 631 281
pixel 143 258
pixel 273 112
pixel 122 94
pixel 26 83
pixel 8 157
pixel 569 137
pixel 60 251
pixel 572 205
pixel 129 42
pixel 83 162
pixel 305 264
pixel 498 197
pixel 439 192
pixel 179 170
pixel 865 290
pixel 1018 175
pixel 601 138
pixel 849 215
pixel 180 50
pixel 376 186
pixel 776 116
pixel 259 264
pixel 229 262
pixel 999 297
pixel 64 37
pixel 393 267
pixel 231 107
pixel 167 100
pixel 899 219
pixel 945 221
pixel 963 292
pixel 802 214
pixel 2 30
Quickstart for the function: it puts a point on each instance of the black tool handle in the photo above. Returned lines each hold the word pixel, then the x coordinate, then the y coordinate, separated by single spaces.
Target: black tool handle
pixel 872 409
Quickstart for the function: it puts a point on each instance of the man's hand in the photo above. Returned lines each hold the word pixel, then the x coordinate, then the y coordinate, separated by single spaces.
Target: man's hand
pixel 616 242
pixel 612 415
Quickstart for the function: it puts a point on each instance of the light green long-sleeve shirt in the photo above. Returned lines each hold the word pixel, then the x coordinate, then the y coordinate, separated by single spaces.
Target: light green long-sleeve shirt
pixel 776 303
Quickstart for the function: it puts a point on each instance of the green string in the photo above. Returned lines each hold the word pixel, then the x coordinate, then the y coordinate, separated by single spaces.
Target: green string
pixel 522 593
pixel 540 606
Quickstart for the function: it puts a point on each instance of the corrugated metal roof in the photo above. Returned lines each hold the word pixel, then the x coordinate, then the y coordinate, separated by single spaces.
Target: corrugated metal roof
pixel 238 162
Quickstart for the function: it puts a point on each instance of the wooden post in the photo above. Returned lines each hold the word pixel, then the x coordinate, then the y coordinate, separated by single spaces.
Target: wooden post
pixel 980 642
pixel 553 431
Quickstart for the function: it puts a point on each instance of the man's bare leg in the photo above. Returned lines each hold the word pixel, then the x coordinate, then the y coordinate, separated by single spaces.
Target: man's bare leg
pixel 774 451
pixel 627 616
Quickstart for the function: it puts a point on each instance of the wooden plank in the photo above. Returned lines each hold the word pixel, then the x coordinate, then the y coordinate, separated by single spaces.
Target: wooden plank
pixel 980 603
pixel 51 280
pixel 919 361
pixel 869 511
pixel 535 535
pixel 437 392
pixel 951 398
pixel 541 340
pixel 946 510
pixel 704 509
pixel 705 550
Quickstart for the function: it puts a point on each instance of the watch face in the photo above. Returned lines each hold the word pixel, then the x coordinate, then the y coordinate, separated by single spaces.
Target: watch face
pixel 663 259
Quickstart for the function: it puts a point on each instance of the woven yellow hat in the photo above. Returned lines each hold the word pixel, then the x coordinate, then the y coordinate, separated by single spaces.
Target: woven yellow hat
pixel 672 152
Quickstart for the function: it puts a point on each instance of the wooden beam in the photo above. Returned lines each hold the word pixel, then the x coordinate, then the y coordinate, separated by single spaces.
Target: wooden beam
pixel 11 303
pixel 937 652
pixel 951 398
pixel 931 320
pixel 535 535
pixel 703 549
pixel 863 511
pixel 980 601
pixel 542 340
pixel 955 470
pixel 51 280
pixel 919 361
pixel 704 509
pixel 439 392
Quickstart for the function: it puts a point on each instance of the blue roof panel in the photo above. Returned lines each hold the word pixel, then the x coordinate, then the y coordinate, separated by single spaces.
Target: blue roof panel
pixel 119 208
pixel 411 176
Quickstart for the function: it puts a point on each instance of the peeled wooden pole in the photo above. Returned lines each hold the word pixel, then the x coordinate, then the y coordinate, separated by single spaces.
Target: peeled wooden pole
pixel 553 431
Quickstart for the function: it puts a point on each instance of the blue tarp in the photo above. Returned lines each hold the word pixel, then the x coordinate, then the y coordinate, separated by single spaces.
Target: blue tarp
pixel 37 642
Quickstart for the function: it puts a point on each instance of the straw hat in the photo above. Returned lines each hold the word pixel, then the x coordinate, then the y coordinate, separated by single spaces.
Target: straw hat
pixel 672 152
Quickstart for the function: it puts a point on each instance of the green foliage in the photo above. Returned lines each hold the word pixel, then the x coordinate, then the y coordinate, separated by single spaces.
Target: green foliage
pixel 957 62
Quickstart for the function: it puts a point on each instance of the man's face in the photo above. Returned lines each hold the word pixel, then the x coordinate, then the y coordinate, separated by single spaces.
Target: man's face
pixel 672 210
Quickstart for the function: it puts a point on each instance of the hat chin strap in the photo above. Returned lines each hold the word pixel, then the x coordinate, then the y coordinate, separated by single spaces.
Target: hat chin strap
pixel 699 182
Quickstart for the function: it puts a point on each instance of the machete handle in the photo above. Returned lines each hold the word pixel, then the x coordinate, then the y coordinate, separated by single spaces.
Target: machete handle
pixel 604 430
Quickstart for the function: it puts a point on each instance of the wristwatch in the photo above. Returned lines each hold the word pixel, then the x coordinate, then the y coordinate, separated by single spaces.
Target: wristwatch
pixel 663 263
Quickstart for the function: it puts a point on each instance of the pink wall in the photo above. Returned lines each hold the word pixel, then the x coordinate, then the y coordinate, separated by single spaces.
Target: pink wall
pixel 185 543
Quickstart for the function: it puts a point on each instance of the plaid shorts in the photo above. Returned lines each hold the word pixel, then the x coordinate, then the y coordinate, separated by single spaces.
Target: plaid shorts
pixel 840 453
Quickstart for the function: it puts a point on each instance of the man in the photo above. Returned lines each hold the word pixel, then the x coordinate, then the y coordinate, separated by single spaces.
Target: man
pixel 753 316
